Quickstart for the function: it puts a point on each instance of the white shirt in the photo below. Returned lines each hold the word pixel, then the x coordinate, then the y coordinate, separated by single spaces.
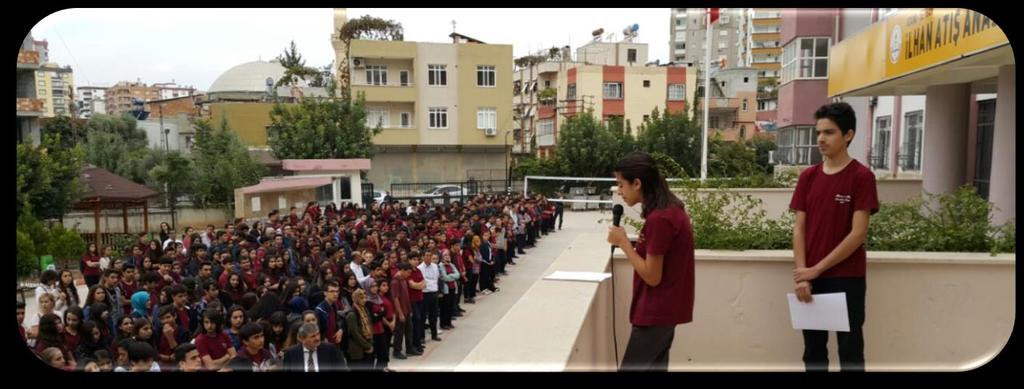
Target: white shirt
pixel 430 274
pixel 358 271
pixel 305 359
pixel 104 263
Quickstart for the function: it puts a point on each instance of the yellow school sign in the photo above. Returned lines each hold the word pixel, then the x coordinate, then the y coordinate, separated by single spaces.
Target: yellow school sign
pixel 910 41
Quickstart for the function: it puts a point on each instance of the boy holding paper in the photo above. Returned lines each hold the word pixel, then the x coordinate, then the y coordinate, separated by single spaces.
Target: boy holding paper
pixel 833 201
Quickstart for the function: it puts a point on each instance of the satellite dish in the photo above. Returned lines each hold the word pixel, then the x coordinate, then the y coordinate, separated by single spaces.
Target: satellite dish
pixel 636 27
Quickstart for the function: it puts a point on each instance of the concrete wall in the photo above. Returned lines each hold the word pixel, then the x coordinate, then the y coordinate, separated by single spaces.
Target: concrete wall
pixel 437 96
pixel 640 100
pixel 799 99
pixel 472 97
pixel 248 120
pixel 111 221
pixel 270 201
pixel 410 167
pixel 922 314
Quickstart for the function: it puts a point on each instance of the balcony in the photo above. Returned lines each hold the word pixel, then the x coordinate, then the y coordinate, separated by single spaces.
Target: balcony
pixel 767 15
pixel 722 104
pixel 923 314
pixel 28 59
pixel 387 93
pixel 30 107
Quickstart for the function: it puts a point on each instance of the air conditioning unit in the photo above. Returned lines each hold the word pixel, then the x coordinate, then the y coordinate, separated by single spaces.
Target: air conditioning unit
pixel 491 131
pixel 358 62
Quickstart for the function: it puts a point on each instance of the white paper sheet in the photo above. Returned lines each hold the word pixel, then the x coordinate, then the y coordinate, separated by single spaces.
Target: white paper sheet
pixel 826 312
pixel 578 276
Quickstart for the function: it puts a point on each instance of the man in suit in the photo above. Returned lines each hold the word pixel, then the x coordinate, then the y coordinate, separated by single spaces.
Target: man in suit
pixel 310 355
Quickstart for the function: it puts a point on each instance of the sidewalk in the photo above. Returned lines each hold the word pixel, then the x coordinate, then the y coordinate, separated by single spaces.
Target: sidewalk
pixel 481 317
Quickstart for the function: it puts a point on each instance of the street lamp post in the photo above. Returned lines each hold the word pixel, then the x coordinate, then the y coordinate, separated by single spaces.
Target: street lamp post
pixel 508 170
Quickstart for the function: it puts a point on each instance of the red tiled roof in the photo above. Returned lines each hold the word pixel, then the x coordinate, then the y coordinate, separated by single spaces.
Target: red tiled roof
pixel 283 184
pixel 319 165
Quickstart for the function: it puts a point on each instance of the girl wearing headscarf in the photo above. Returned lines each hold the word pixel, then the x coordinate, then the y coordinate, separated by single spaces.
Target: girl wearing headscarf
pixel 360 349
pixel 140 304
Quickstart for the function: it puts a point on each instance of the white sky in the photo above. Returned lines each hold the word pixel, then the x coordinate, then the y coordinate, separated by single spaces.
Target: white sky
pixel 194 46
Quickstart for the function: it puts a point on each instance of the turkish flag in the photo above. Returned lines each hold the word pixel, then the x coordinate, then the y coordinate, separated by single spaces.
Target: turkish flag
pixel 714 14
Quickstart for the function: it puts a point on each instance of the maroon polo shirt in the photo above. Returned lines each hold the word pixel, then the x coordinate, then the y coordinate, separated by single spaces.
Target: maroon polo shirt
pixel 829 201
pixel 416 294
pixel 666 232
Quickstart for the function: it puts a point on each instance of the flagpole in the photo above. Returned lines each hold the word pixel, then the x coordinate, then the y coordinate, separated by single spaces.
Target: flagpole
pixel 707 95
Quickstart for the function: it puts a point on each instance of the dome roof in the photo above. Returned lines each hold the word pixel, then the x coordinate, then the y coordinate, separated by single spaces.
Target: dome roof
pixel 249 77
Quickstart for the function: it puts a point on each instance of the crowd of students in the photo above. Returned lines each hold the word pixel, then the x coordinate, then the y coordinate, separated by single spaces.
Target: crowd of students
pixel 329 289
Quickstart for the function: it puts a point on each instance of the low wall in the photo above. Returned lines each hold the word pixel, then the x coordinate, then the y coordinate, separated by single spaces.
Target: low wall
pixel 111 221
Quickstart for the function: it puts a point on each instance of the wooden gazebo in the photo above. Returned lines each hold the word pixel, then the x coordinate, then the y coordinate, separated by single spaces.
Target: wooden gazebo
pixel 105 190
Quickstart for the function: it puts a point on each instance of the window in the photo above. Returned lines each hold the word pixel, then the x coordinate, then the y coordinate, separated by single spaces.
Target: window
pixel 570 92
pixel 723 33
pixel 438 118
pixel 983 154
pixel 743 131
pixel 746 80
pixel 255 203
pixel 486 118
pixel 405 119
pixel 676 92
pixel 485 76
pixel 345 184
pixel 547 84
pixel 805 58
pixel 911 154
pixel 713 122
pixel 647 118
pixel 437 75
pixel 546 132
pixel 679 22
pixel 630 55
pixel 376 75
pixel 517 87
pixel 744 105
pixel 880 152
pixel 282 203
pixel 403 77
pixel 797 146
pixel 647 83
pixel 612 90
pixel 680 46
pixel 377 117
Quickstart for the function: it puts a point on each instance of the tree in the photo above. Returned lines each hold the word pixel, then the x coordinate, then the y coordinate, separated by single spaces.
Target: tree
pixel 47 177
pixel 174 174
pixel 64 244
pixel 321 129
pixel 72 131
pixel 295 68
pixel 731 159
pixel 675 135
pixel 762 145
pixel 365 27
pixel 586 148
pixel 222 163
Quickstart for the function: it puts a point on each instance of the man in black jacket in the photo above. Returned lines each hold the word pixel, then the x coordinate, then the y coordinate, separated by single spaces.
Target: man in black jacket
pixel 310 355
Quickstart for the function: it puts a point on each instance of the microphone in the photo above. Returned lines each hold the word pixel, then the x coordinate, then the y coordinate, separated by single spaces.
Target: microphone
pixel 616 218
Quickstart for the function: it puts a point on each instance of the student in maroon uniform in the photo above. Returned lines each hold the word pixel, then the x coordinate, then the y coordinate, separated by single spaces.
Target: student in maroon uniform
pixel 663 277
pixel 215 348
pixel 833 202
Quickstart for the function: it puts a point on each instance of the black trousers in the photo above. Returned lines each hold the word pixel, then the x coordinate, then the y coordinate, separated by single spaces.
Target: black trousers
pixel 851 344
pixel 380 350
pixel 417 321
pixel 447 307
pixel 471 284
pixel 520 243
pixel 501 260
pixel 486 276
pixel 430 305
pixel 648 348
pixel 458 294
pixel 403 332
pixel 560 214
pixel 92 280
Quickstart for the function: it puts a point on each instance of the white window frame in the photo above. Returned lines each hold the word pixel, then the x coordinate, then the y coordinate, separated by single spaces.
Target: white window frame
pixel 408 80
pixel 546 132
pixel 282 203
pixel 435 115
pixel 570 92
pixel 382 116
pixel 486 117
pixel 905 147
pixel 616 86
pixel 377 75
pixel 793 57
pixel 679 92
pixel 405 119
pixel 485 70
pixel 439 73
pixel 255 203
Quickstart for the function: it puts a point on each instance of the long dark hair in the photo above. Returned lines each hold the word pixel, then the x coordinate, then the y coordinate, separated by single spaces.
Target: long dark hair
pixel 638 165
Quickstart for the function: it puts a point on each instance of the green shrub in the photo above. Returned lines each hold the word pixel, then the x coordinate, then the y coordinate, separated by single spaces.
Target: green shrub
pixel 27 261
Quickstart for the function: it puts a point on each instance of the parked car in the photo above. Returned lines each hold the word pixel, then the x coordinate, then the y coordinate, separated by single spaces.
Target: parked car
pixel 440 190
pixel 379 196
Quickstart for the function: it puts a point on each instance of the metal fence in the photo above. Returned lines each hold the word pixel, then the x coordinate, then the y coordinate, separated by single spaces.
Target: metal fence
pixel 456 190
